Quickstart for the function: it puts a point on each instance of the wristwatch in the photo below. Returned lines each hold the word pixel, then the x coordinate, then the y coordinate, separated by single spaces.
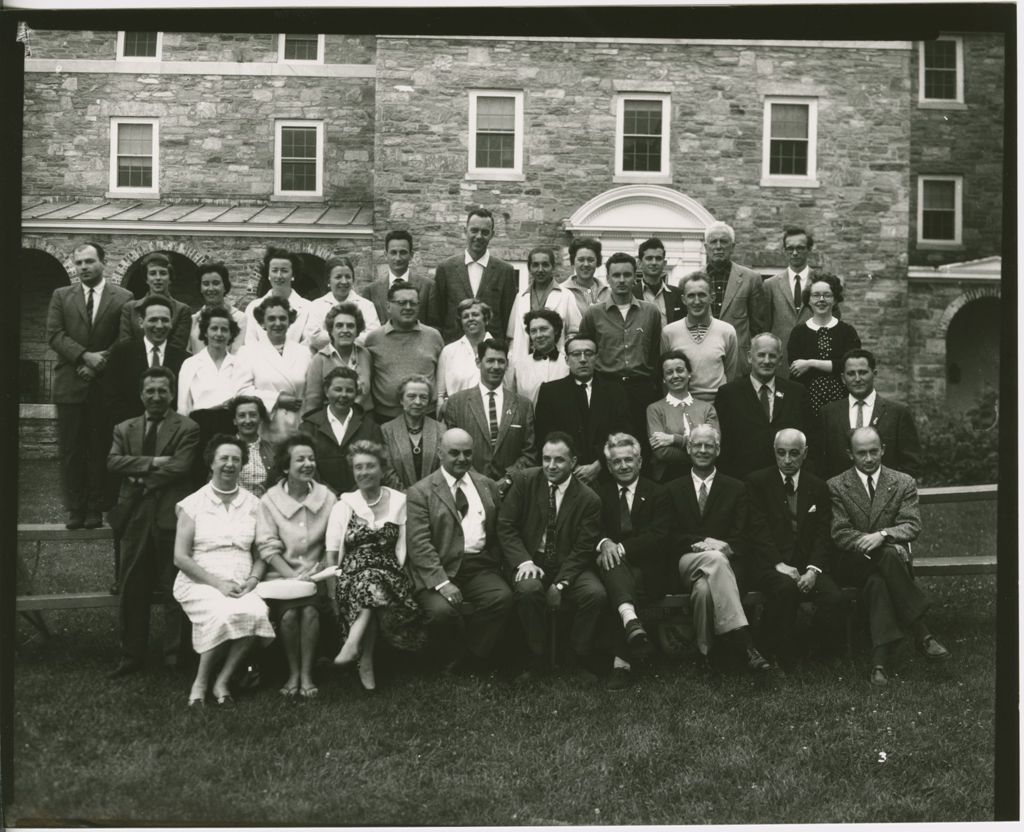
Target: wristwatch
pixel 561 585
pixel 887 536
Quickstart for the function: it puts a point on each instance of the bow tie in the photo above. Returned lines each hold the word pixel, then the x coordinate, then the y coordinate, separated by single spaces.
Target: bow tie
pixel 551 356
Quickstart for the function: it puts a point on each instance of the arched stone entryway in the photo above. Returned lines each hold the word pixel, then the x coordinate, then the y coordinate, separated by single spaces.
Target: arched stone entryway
pixel 972 333
pixel 41 272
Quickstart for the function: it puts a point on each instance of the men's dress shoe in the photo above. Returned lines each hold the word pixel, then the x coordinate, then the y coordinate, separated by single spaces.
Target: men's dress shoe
pixel 932 650
pixel 124 668
pixel 93 520
pixel 76 521
pixel 879 679
pixel 757 662
pixel 636 638
pixel 620 679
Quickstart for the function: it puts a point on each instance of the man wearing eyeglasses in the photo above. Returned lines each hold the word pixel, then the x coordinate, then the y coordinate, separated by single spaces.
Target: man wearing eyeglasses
pixel 786 308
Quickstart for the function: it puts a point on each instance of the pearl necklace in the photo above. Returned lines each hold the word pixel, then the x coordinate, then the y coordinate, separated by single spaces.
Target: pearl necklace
pixel 222 491
pixel 375 502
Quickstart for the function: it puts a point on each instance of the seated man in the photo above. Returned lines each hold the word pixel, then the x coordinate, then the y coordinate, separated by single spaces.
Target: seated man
pixel 789 519
pixel 453 554
pixel 548 526
pixel 635 523
pixel 874 518
pixel 709 515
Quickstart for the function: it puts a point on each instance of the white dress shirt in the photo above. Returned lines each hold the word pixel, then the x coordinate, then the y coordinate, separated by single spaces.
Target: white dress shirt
pixel 392 277
pixel 473 532
pixel 795 477
pixel 869 408
pixel 254 333
pixel 630 497
pixel 588 387
pixel 499 400
pixel 804 277
pixel 456 369
pixel 316 312
pixel 758 384
pixel 697 481
pixel 559 496
pixel 338 426
pixel 203 385
pixel 476 270
pixel 864 479
pixel 97 295
pixel 160 349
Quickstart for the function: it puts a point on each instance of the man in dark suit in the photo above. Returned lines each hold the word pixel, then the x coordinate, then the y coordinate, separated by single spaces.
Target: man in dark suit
pixel 159 273
pixel 499 421
pixel 753 408
pixel 153 453
pixel 454 554
pixel 631 558
pixel 128 359
pixel 875 516
pixel 589 408
pixel 81 326
pixel 653 287
pixel 862 408
pixel 474 274
pixel 398 250
pixel 789 521
pixel 548 525
pixel 709 512
pixel 786 308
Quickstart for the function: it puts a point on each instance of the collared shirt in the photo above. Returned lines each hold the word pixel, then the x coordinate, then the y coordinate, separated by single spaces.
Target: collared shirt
pixel 396 354
pixel 657 298
pixel 586 296
pixel 473 532
pixel 160 348
pixel 254 333
pixel 758 384
pixel 339 426
pixel 864 479
pixel 588 387
pixel 203 385
pixel 559 496
pixel 625 347
pixel 195 346
pixel 630 491
pixel 392 277
pixel 499 399
pixel 869 408
pixel 317 311
pixel 831 323
pixel 674 402
pixel 795 477
pixel 293 528
pixel 805 275
pixel 476 270
pixel 97 295
pixel 709 480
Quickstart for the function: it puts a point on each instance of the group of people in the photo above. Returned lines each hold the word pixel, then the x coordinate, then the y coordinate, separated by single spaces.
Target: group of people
pixel 415 464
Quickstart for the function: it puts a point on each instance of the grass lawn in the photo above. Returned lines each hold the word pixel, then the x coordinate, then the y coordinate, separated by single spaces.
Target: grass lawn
pixel 819 746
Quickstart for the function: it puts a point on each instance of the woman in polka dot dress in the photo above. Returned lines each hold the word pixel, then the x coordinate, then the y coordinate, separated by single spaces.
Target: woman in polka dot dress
pixel 816 347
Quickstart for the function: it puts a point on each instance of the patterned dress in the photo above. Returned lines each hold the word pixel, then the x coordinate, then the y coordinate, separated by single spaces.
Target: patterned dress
pixel 826 343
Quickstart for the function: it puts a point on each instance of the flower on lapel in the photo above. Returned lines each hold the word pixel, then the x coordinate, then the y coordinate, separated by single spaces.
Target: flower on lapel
pixel 508 412
pixel 778 394
pixel 874 421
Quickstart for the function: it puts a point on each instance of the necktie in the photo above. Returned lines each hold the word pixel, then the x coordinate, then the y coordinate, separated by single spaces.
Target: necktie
pixel 860 414
pixel 625 521
pixel 492 417
pixel 549 535
pixel 89 305
pixel 702 497
pixel 797 292
pixel 871 488
pixel 155 360
pixel 149 440
pixel 790 494
pixel 461 503
pixel 584 401
pixel 766 404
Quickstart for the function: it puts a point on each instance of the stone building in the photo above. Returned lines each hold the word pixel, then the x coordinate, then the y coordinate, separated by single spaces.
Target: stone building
pixel 212 146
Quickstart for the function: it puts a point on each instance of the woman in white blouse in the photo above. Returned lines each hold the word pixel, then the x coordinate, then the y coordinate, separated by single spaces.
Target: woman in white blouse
pixel 545 360
pixel 341 277
pixel 456 367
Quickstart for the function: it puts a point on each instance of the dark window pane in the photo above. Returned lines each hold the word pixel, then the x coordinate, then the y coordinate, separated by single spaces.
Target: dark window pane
pixel 641 136
pixel 301 47
pixel 495 150
pixel 298 159
pixel 641 118
pixel 134 172
pixel 787 158
pixel 298 176
pixel 940 54
pixel 641 154
pixel 938 225
pixel 940 69
pixel 939 195
pixel 140 44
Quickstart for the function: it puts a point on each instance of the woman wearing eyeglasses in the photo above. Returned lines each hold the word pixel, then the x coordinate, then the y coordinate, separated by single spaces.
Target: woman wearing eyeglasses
pixel 816 347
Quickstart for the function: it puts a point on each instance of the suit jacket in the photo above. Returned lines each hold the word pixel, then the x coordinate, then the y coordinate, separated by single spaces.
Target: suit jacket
pixel 523 519
pixel 396 440
pixel 782 314
pixel 331 458
pixel 894 424
pixel 771 532
pixel 725 513
pixel 745 306
pixel 651 518
pixel 498 289
pixel 125 365
pixel 674 306
pixel 176 437
pixel 181 323
pixel 377 293
pixel 894 509
pixel 433 529
pixel 514 448
pixel 748 437
pixel 559 408
pixel 69 334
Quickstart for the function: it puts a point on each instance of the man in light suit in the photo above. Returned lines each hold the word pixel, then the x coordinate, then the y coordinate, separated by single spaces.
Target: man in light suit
pixel 154 454
pixel 474 274
pixel 454 556
pixel 863 408
pixel 786 308
pixel 737 293
pixel 548 525
pixel 82 324
pixel 875 516
pixel 159 273
pixel 499 421
pixel 398 251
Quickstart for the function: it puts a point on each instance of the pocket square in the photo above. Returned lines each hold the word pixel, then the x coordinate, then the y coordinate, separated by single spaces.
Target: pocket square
pixel 812 509
pixel 515 426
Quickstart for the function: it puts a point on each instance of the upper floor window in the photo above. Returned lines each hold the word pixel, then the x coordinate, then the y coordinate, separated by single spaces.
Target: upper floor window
pixel 139 46
pixel 495 134
pixel 941 75
pixel 298 158
pixel 790 152
pixel 134 156
pixel 642 135
pixel 940 210
pixel 301 48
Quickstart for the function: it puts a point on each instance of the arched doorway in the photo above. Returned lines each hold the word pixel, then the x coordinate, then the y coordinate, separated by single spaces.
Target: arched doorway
pixel 310 282
pixel 41 273
pixel 184 285
pixel 972 352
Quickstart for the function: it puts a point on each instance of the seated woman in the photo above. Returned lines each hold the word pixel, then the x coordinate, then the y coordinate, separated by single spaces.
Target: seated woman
pixel 213 548
pixel 346 324
pixel 545 361
pixel 366 539
pixel 456 367
pixel 670 420
pixel 290 526
pixel 249 415
pixel 412 439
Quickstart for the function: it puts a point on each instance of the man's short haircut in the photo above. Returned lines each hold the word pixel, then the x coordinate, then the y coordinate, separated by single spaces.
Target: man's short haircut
pixel 549 315
pixel 217 268
pixel 480 211
pixel 859 352
pixel 653 242
pixel 273 253
pixel 346 308
pixel 793 231
pixel 803 436
pixel 772 335
pixel 621 440
pixel 585 242
pixel 690 278
pixel 497 344
pixel 283 453
pixel 219 439
pixel 548 250
pixel 850 434
pixel 336 260
pixel 621 257
pixel 704 428
pixel 572 339
pixel 270 302
pixel 563 437
pixel 398 234
pixel 207 315
pixel 238 401
pixel 401 286
pixel 717 227
pixel 152 300
pixel 157 258
pixel 101 255
pixel 418 378
pixel 834 283
pixel 676 355
pixel 158 372
pixel 469 303
pixel 341 372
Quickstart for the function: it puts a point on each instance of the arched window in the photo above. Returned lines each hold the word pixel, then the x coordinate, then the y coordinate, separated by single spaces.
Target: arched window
pixel 41 273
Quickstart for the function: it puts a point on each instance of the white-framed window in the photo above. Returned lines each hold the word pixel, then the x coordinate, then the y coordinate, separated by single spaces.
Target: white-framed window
pixel 298 158
pixel 139 46
pixel 940 217
pixel 790 142
pixel 495 134
pixel 941 71
pixel 642 136
pixel 135 156
pixel 304 49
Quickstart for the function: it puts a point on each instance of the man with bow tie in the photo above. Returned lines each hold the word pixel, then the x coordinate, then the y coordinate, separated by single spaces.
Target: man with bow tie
pixel 875 516
pixel 790 514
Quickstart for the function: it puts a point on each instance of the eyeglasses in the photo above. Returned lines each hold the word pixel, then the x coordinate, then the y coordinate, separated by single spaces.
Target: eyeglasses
pixel 795 249
pixel 822 296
